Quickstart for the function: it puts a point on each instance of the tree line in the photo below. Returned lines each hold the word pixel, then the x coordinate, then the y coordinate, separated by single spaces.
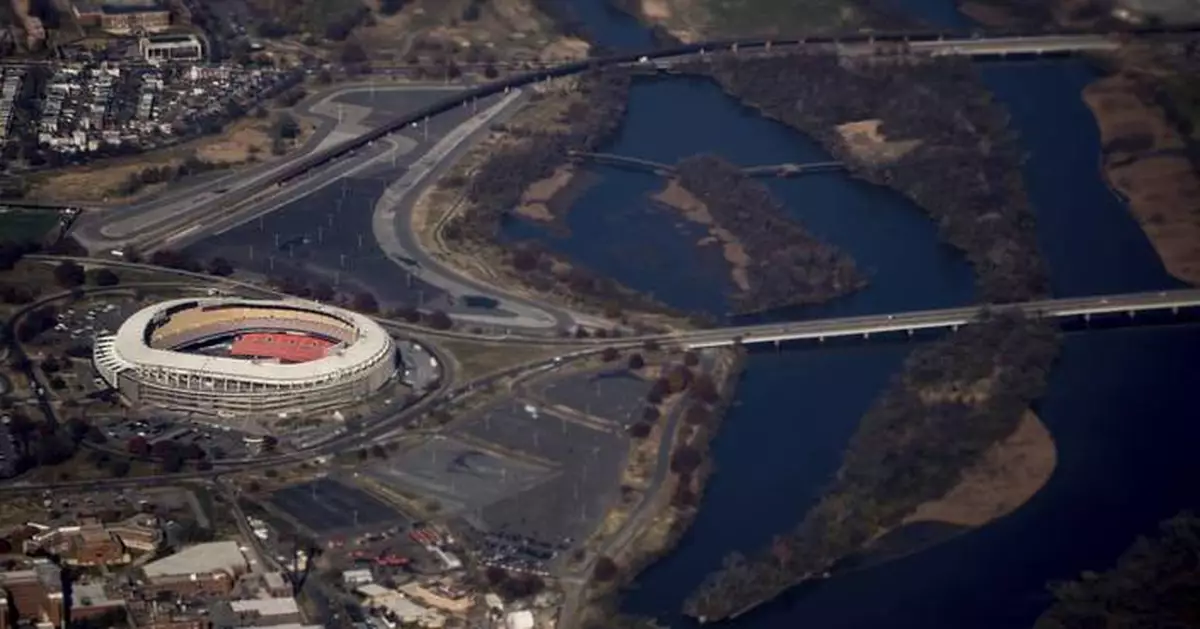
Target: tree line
pixel 1155 585
pixel 911 447
pixel 965 172
pixel 788 265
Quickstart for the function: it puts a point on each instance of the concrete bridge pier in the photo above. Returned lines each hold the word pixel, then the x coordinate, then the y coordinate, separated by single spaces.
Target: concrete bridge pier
pixel 778 346
pixel 767 45
pixel 1087 317
pixel 1174 310
pixel 1132 313
pixel 910 332
pixel 866 335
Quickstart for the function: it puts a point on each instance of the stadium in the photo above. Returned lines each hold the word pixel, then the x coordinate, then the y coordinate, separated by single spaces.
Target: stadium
pixel 228 357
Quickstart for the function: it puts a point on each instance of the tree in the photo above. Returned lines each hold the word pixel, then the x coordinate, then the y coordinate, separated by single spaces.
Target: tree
pixel 636 361
pixel 686 459
pixel 365 302
pixel 118 467
pixel 697 415
pixel 640 430
pixel 285 127
pixel 495 575
pixel 610 354
pixel 220 267
pixel 105 277
pixel 605 570
pixel 691 359
pixel 490 71
pixel 353 53
pixel 704 389
pixel 439 320
pixel 651 345
pixel 138 446
pixel 651 414
pixel 69 274
pixel 322 291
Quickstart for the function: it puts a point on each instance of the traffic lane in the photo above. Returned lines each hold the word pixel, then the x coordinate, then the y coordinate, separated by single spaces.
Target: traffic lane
pixel 444 275
pixel 188 229
pixel 396 100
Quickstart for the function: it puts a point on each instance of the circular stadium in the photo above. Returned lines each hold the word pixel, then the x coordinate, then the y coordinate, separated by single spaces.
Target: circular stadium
pixel 228 356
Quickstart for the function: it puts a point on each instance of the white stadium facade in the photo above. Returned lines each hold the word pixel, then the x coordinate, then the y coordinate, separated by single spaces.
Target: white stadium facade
pixel 228 357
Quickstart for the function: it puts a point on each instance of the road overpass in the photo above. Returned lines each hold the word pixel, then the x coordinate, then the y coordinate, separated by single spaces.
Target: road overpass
pixel 950 318
pixel 659 168
pixel 932 43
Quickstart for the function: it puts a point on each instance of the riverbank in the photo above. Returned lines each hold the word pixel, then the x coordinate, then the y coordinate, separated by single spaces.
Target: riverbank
pixel 774 260
pixel 522 171
pixel 1146 160
pixel 698 20
pixel 950 150
pixel 949 441
pixel 633 545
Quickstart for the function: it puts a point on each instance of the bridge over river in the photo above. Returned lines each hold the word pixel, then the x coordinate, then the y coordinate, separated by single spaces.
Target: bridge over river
pixel 950 318
pixel 667 170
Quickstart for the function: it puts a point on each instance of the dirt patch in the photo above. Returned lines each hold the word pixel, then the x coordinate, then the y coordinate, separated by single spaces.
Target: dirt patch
pixel 868 144
pixel 243 142
pixel 539 196
pixel 1143 161
pixel 656 10
pixel 1007 476
pixel 678 197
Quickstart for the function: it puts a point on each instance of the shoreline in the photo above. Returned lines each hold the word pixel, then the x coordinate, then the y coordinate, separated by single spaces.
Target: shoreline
pixel 672 520
pixel 1143 159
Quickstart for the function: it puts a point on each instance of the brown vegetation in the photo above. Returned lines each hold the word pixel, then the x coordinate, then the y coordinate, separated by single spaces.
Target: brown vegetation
pixel 791 266
pixel 1145 160
pixel 965 172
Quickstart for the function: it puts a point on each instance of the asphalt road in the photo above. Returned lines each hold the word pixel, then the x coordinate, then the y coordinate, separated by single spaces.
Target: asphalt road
pixel 393 219
pixel 109 229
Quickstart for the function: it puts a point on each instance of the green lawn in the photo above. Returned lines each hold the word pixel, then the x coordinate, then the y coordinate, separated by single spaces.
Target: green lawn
pixel 24 225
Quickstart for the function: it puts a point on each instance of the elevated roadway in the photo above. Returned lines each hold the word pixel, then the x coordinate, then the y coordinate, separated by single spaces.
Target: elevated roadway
pixel 952 318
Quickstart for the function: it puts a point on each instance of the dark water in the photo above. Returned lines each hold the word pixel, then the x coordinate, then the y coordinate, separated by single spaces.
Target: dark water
pixel 1117 404
pixel 1088 237
pixel 614 227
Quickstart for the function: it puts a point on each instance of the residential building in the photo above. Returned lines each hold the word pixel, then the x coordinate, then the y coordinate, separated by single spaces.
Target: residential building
pixel 92 543
pixel 171 48
pixel 357 577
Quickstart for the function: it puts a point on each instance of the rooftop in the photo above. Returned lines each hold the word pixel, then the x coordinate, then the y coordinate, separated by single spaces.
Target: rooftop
pixel 279 606
pixel 211 557
pixel 92 595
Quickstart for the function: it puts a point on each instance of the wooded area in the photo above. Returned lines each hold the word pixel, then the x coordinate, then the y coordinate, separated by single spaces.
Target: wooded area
pixel 965 171
pixel 1155 585
pixel 787 266
pixel 953 400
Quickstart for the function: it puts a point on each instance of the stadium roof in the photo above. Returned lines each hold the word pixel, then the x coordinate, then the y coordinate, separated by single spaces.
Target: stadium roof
pixel 202 558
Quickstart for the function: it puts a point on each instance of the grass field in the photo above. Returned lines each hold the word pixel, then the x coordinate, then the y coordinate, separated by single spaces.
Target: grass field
pixel 477 359
pixel 23 225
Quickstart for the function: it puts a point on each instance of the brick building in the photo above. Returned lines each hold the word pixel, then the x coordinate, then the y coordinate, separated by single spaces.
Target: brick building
pixel 34 595
pixel 123 17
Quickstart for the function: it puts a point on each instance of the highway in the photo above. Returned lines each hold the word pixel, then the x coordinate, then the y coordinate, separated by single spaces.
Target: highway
pixel 108 229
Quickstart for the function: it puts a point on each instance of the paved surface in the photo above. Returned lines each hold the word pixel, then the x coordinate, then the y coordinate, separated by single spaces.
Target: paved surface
pixel 326 506
pixel 392 219
pixel 461 476
pixel 945 318
pixel 613 394
pixel 107 229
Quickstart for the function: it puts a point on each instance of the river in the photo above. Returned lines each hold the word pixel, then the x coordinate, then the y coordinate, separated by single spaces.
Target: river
pixel 1118 399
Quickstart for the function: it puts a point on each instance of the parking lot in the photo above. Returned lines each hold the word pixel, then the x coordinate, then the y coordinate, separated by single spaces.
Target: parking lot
pixel 460 476
pixel 613 394
pixel 525 530
pixel 215 440
pixel 327 506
